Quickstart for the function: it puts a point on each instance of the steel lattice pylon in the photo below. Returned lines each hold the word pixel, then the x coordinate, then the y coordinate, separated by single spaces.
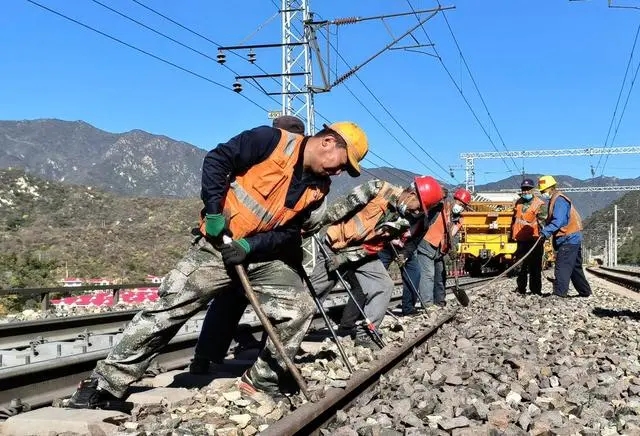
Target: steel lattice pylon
pixel 297 93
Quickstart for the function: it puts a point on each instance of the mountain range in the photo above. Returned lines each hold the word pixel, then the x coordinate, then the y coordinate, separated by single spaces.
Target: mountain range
pixel 137 163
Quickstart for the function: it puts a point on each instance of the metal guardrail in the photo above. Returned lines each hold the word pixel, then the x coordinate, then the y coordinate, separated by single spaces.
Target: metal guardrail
pixel 45 302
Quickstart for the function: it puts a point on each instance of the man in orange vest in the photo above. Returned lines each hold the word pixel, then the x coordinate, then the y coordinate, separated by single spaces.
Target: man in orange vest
pixel 257 188
pixel 528 216
pixel 220 324
pixel 442 223
pixel 361 224
pixel 565 226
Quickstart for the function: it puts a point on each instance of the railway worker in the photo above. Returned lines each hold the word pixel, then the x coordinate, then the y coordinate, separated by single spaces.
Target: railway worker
pixel 565 226
pixel 529 214
pixel 441 223
pixel 360 224
pixel 406 260
pixel 257 188
pixel 219 326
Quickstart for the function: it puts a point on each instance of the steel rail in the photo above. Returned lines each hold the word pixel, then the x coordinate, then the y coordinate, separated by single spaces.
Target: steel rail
pixel 624 278
pixel 40 383
pixel 20 334
pixel 311 416
pixel 629 272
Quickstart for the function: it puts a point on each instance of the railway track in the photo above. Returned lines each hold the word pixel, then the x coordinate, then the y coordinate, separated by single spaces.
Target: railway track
pixel 37 384
pixel 624 277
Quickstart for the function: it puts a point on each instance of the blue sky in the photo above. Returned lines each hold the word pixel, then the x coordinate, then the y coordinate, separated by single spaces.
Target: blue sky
pixel 549 72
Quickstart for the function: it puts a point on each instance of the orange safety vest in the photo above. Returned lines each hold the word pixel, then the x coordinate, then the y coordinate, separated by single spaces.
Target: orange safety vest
pixel 436 234
pixel 575 221
pixel 361 227
pixel 255 201
pixel 525 224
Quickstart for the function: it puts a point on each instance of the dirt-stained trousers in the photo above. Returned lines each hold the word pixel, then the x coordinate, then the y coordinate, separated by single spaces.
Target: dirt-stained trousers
pixel 186 290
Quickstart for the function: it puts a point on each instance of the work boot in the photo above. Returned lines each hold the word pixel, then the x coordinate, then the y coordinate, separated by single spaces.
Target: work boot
pixel 344 332
pixel 199 365
pixel 365 338
pixel 90 396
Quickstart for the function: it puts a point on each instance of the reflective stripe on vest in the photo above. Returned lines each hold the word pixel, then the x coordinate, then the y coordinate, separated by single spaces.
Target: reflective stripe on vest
pixel 361 227
pixel 525 225
pixel 575 221
pixel 255 201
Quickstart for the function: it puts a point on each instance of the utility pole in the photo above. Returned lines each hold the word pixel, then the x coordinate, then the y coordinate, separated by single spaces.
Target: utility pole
pixel 301 56
pixel 611 244
pixel 615 235
pixel 605 254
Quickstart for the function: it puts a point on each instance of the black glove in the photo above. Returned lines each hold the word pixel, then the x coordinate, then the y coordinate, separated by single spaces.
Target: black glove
pixel 235 253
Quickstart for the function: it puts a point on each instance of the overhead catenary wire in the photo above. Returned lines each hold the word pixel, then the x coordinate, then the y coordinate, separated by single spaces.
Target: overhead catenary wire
pixel 475 85
pixel 211 41
pixel 615 110
pixel 624 108
pixel 383 106
pixel 181 44
pixel 145 52
pixel 464 97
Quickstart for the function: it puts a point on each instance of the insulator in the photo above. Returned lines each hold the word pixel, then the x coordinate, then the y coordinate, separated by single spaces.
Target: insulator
pixel 222 58
pixel 251 56
pixel 237 87
pixel 344 77
pixel 347 20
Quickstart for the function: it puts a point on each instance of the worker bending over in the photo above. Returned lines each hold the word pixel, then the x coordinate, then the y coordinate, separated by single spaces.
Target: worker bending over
pixel 360 224
pixel 257 188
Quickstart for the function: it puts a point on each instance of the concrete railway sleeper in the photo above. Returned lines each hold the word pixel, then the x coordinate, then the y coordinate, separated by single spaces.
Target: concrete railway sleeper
pixel 38 384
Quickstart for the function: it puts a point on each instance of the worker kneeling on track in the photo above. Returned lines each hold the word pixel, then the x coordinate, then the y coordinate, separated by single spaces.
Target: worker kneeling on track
pixel 360 225
pixel 258 188
pixel 528 218
pixel 565 226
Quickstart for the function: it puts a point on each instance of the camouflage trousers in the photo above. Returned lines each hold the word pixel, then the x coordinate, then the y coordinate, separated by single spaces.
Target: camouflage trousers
pixel 186 290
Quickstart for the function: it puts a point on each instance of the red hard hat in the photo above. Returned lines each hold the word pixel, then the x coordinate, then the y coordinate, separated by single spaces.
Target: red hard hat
pixel 429 191
pixel 462 195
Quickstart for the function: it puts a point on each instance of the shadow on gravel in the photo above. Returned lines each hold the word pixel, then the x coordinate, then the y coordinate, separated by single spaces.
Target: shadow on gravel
pixel 615 313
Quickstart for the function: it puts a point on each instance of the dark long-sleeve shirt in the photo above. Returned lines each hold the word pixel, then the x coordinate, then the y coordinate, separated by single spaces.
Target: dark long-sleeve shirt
pixel 236 156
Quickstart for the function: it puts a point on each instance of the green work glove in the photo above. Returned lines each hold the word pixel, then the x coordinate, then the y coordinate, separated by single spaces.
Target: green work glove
pixel 215 224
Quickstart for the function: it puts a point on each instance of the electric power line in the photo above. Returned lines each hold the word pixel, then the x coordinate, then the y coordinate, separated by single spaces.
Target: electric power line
pixel 464 97
pixel 131 46
pixel 624 108
pixel 382 105
pixel 475 84
pixel 615 110
pixel 216 44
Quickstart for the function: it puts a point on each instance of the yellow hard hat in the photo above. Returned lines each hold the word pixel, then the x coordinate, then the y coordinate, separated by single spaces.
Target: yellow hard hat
pixel 357 144
pixel 546 182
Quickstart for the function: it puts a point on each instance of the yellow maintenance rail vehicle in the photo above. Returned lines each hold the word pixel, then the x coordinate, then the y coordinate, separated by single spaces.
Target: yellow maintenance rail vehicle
pixel 485 241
